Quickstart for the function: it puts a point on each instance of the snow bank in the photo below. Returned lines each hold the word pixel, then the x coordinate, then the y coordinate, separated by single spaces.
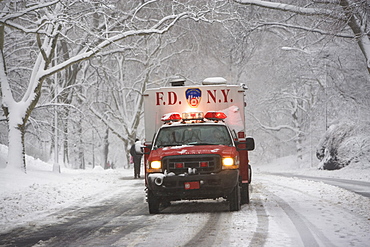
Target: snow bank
pixel 345 144
pixel 27 197
pixel 288 164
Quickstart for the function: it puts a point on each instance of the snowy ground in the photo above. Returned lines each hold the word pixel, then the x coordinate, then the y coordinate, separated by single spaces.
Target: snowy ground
pixel 360 171
pixel 27 198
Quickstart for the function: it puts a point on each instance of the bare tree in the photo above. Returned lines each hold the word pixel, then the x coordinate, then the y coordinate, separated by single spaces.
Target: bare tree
pixel 338 14
pixel 46 22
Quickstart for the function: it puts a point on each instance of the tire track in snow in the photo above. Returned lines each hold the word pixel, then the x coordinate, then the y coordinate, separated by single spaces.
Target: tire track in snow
pixel 81 230
pixel 306 230
pixel 299 222
pixel 207 235
pixel 85 225
pixel 260 235
pixel 215 214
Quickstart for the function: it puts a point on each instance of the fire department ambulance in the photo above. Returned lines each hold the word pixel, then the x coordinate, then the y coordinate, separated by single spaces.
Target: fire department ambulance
pixel 196 147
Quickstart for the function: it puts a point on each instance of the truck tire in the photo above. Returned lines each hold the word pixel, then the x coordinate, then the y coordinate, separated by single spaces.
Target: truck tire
pixel 153 203
pixel 244 194
pixel 234 199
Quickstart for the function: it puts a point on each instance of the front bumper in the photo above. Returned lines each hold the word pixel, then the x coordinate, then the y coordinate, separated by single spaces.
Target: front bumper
pixel 207 186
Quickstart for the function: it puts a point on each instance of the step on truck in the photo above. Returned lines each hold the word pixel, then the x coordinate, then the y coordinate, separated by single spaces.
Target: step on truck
pixel 195 144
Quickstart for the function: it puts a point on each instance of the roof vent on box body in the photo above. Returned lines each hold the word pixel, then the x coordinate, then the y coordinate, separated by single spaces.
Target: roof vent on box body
pixel 177 81
pixel 214 81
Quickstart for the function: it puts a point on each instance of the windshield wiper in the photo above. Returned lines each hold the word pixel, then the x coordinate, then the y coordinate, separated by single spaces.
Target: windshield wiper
pixel 167 145
pixel 201 143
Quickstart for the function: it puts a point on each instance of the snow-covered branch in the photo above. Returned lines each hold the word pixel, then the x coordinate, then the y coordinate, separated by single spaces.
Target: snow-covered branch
pixel 80 38
pixel 290 8
pixel 88 53
pixel 350 12
pixel 276 128
pixel 141 6
pixel 7 17
pixel 308 29
pixel 357 20
pixel 7 97
pixel 107 123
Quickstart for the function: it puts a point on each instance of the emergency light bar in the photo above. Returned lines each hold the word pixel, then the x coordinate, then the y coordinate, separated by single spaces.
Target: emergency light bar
pixel 187 116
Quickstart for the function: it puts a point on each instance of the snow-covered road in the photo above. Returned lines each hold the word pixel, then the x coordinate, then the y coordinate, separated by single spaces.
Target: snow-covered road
pixel 308 213
pixel 283 212
pixel 359 187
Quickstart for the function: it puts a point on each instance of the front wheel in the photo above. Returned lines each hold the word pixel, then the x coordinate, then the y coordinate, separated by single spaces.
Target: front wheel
pixel 153 203
pixel 234 199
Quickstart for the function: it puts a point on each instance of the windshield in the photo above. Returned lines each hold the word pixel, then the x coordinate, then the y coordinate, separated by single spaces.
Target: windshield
pixel 193 135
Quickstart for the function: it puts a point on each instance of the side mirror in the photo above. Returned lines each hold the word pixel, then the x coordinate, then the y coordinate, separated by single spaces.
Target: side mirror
pixel 247 144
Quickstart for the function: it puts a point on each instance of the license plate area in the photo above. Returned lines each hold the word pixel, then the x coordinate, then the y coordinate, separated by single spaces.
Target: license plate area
pixel 192 185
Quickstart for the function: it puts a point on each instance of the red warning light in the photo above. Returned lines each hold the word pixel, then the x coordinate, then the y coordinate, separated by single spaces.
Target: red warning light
pixel 214 115
pixel 171 117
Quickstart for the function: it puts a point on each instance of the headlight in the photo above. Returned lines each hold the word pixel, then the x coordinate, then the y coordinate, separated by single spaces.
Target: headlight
pixel 156 164
pixel 228 161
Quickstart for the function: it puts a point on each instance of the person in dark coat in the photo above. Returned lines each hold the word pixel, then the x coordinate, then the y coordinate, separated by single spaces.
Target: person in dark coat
pixel 136 157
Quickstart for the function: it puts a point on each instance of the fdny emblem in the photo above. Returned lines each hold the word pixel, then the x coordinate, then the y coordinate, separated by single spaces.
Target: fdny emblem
pixel 193 96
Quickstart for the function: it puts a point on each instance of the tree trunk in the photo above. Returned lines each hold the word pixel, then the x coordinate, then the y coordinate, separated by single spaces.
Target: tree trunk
pixel 358 26
pixel 65 137
pixel 127 147
pixel 16 150
pixel 81 155
pixel 106 148
pixel 80 146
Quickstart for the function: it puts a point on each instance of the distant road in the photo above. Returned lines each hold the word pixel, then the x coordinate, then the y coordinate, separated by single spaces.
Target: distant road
pixel 359 187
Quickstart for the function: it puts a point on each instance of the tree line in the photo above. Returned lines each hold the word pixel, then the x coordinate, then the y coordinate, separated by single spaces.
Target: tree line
pixel 91 61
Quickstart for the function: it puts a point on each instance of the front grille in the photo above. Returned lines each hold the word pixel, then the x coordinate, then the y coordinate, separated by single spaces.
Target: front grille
pixel 181 164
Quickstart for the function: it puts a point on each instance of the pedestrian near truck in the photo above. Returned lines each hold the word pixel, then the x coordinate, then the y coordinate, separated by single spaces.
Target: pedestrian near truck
pixel 136 157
